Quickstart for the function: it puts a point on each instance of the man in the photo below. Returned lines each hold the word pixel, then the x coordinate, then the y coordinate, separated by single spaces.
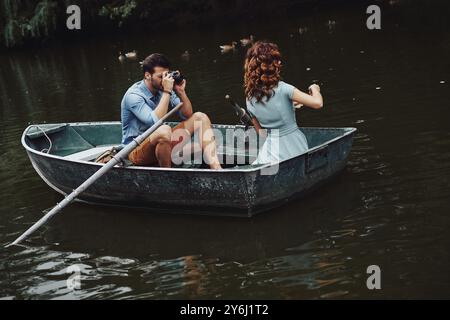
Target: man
pixel 147 101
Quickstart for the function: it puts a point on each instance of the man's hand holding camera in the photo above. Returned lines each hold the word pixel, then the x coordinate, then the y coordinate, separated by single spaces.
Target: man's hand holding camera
pixel 174 80
pixel 167 82
pixel 180 88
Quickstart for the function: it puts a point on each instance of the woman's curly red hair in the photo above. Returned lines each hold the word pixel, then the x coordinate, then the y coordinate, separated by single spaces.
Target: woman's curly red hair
pixel 262 70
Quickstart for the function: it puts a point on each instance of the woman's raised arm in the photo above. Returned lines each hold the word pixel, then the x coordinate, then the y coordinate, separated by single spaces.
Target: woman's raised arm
pixel 313 100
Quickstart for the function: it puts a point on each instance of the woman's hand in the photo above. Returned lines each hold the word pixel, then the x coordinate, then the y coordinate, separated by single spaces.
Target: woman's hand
pixel 297 105
pixel 313 99
pixel 313 87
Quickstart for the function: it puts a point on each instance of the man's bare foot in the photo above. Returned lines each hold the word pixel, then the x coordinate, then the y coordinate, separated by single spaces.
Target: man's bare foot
pixel 215 166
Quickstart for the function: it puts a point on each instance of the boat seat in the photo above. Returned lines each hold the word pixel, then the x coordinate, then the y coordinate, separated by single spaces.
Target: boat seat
pixel 89 154
pixel 92 154
pixel 229 150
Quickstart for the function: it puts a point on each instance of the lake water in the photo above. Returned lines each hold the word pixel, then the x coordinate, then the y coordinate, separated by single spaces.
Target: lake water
pixel 390 206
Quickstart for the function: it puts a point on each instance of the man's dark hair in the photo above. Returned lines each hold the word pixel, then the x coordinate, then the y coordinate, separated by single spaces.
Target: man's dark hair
pixel 155 60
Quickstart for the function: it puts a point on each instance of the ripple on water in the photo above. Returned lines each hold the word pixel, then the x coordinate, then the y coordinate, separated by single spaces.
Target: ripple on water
pixel 390 207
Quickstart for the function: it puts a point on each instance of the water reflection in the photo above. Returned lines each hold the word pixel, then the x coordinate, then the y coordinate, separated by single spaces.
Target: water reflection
pixel 387 208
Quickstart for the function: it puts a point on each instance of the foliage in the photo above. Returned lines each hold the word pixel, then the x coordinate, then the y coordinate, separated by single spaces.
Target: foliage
pixel 27 21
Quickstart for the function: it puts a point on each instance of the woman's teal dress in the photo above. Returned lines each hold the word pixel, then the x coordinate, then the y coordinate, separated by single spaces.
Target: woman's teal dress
pixel 278 113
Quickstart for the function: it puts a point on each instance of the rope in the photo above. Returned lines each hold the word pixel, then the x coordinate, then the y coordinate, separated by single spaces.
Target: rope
pixel 49 140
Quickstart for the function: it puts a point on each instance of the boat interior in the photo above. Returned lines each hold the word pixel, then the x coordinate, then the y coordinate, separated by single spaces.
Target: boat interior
pixel 86 141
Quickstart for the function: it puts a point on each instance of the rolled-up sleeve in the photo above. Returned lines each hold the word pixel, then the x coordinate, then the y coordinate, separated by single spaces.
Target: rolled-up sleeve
pixel 174 101
pixel 139 107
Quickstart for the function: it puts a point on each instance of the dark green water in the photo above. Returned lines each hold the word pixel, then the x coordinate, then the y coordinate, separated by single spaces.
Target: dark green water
pixel 390 207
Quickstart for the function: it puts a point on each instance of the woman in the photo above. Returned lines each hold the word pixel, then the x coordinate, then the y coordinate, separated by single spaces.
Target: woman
pixel 272 102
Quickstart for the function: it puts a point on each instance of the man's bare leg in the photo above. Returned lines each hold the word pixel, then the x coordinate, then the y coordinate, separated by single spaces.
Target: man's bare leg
pixel 163 154
pixel 207 142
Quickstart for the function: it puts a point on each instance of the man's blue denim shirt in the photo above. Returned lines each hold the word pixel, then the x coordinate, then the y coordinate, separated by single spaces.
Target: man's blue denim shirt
pixel 137 110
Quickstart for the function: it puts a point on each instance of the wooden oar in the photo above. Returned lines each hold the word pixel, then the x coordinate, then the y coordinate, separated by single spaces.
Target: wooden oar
pixel 108 166
pixel 245 117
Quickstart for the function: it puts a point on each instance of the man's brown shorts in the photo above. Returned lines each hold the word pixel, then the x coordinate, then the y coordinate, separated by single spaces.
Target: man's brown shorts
pixel 144 154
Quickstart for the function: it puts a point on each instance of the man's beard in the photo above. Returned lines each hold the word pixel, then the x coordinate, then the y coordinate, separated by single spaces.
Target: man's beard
pixel 156 86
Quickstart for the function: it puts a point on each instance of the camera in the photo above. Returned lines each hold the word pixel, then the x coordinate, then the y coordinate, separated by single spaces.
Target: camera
pixel 177 77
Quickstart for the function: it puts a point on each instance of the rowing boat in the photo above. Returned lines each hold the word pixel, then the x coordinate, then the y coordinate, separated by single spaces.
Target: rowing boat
pixel 64 154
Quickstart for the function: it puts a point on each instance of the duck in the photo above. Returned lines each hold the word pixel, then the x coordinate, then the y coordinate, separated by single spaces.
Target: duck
pixel 247 41
pixel 331 24
pixel 185 55
pixel 393 2
pixel 302 30
pixel 131 55
pixel 228 47
pixel 121 57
